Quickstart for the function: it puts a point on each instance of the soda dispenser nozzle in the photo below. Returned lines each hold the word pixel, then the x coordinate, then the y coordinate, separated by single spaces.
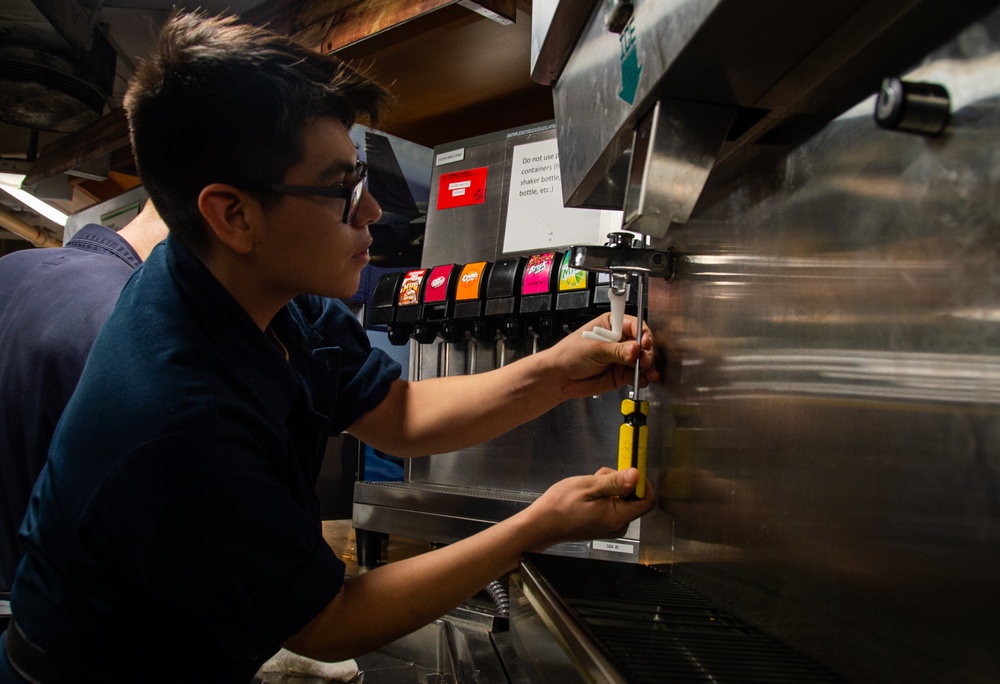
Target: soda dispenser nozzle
pixel 469 311
pixel 536 305
pixel 502 294
pixel 619 283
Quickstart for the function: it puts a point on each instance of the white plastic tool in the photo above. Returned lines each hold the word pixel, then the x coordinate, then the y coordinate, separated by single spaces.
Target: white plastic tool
pixel 617 321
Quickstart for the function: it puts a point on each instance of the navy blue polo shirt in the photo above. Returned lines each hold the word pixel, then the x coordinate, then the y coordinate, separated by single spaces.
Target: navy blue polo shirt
pixel 52 304
pixel 176 523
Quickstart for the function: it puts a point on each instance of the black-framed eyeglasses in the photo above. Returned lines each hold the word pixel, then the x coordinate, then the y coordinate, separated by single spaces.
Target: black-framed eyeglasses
pixel 350 191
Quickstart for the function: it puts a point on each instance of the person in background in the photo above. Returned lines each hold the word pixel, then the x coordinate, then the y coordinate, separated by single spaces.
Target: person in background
pixel 52 303
pixel 176 523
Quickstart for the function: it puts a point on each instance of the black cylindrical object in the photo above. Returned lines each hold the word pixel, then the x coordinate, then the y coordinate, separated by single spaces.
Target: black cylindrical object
pixel 913 107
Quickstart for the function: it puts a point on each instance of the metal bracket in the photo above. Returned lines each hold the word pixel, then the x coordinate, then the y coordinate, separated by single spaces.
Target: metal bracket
pixel 673 150
pixel 622 259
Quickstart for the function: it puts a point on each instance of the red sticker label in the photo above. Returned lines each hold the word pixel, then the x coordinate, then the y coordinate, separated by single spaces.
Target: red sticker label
pixel 462 188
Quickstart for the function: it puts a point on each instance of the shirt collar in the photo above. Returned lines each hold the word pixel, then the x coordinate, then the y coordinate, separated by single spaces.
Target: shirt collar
pixel 96 238
pixel 228 326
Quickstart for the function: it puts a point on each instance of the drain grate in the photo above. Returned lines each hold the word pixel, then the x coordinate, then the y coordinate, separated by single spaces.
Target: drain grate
pixel 654 629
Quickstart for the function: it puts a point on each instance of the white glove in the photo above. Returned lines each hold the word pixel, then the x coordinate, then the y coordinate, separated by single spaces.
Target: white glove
pixel 287 663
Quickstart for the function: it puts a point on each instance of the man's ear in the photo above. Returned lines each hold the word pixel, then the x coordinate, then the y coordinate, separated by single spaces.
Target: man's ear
pixel 231 215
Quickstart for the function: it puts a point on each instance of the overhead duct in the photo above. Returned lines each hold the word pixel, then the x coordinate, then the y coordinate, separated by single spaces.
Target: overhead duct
pixel 56 68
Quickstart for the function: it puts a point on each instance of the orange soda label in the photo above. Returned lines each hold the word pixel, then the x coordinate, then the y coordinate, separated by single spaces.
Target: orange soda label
pixel 470 281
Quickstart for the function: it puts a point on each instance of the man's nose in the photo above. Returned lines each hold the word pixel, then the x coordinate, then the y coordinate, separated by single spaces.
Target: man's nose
pixel 368 210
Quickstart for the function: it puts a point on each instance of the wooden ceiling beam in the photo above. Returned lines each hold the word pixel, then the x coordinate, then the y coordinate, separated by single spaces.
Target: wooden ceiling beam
pixel 329 25
pixel 104 136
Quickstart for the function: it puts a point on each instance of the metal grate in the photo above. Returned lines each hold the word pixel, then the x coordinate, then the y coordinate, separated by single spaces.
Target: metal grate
pixel 654 629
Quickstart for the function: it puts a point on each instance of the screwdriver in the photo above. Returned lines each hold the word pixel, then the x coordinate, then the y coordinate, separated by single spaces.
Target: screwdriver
pixel 634 435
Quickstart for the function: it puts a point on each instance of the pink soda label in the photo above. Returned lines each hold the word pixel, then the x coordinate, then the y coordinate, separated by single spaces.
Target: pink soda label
pixel 537 274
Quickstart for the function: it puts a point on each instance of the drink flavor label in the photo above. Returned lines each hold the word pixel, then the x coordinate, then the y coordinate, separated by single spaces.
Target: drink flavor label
pixel 437 284
pixel 470 281
pixel 409 291
pixel 571 279
pixel 537 274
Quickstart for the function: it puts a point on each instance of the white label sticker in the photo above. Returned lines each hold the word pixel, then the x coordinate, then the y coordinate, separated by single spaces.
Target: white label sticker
pixel 617 547
pixel 449 157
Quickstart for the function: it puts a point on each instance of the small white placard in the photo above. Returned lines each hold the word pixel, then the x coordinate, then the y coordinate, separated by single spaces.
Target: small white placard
pixel 615 546
pixel 450 157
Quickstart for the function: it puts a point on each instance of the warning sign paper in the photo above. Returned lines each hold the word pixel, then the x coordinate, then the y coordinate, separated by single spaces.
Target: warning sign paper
pixel 462 188
pixel 536 217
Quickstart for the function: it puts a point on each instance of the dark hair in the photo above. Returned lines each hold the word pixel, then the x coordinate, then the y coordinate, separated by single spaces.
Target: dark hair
pixel 218 101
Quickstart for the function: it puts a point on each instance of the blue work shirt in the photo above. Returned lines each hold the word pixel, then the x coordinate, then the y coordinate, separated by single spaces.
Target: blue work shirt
pixel 52 304
pixel 175 529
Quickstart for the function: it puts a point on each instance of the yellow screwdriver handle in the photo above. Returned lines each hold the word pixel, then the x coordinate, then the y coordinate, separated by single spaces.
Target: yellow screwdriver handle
pixel 632 439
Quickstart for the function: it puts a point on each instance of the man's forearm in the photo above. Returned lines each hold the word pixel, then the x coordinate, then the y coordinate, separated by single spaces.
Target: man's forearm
pixel 395 599
pixel 391 601
pixel 438 415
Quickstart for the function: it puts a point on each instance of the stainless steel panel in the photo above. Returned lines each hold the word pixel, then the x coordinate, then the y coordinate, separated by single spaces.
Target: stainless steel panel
pixel 673 152
pixel 536 617
pixel 447 650
pixel 595 122
pixel 830 423
pixel 445 514
pixel 475 233
pixel 592 116
pixel 577 437
pixel 789 66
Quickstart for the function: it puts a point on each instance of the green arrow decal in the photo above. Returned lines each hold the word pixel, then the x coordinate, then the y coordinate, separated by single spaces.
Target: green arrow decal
pixel 631 69
pixel 630 76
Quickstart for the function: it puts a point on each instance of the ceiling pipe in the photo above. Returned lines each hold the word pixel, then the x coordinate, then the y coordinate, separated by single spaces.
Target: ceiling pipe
pixel 34 235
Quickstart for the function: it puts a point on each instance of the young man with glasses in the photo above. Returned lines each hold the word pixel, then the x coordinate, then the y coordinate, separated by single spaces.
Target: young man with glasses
pixel 175 530
pixel 349 191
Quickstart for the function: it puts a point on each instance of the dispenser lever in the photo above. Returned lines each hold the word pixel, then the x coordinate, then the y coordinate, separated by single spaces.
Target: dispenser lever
pixel 624 259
